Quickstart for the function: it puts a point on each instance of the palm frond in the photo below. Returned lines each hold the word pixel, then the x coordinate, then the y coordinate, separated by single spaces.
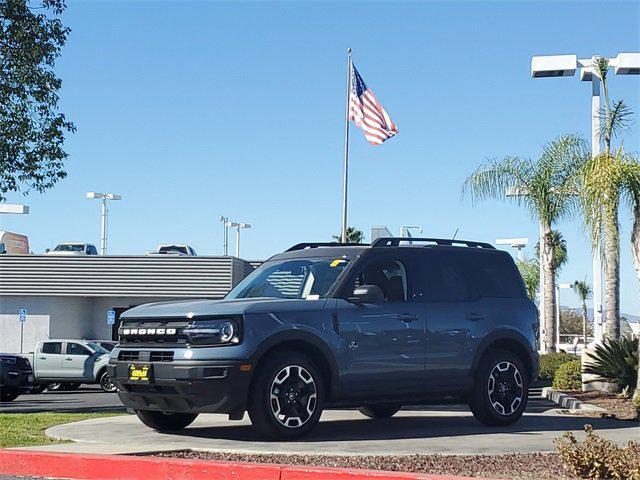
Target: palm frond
pixel 615 120
pixel 615 361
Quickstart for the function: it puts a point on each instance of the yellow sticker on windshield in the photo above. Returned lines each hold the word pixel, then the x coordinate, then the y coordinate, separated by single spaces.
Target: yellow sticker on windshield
pixel 337 262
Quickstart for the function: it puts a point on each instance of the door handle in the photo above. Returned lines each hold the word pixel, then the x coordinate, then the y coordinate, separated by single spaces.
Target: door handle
pixel 407 317
pixel 68 359
pixel 474 317
pixel 42 358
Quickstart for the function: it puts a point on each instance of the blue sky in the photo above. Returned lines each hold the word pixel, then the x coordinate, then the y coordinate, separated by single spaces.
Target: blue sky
pixel 195 109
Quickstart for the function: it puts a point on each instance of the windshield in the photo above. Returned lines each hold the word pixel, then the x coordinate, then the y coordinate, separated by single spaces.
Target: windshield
pixel 69 248
pixel 307 279
pixel 97 348
pixel 173 248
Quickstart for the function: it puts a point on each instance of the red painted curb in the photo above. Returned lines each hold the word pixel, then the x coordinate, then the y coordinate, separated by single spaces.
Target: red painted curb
pixel 122 467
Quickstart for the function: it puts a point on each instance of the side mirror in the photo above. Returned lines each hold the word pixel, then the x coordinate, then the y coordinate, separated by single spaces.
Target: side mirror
pixel 367 294
pixel 47 250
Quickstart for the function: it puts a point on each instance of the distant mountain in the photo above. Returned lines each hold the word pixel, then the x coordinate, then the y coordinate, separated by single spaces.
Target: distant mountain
pixel 628 316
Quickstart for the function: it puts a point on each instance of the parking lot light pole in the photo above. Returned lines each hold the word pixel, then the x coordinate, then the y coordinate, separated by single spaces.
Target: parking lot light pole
pixel 225 234
pixel 238 226
pixel 103 224
pixel 14 208
pixel 548 66
pixel 517 243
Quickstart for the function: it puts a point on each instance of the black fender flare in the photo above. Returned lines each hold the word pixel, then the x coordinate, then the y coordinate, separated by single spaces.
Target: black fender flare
pixel 303 336
pixel 511 336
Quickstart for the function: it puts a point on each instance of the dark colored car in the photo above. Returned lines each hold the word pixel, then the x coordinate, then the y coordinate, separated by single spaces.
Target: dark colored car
pixel 16 376
pixel 399 322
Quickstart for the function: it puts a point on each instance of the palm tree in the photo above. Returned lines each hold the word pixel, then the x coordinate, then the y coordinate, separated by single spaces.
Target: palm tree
pixel 547 187
pixel 602 183
pixel 353 236
pixel 583 290
pixel 560 253
pixel 632 193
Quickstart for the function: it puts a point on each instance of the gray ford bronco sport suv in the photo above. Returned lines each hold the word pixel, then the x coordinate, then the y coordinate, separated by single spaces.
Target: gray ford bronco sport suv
pixel 326 325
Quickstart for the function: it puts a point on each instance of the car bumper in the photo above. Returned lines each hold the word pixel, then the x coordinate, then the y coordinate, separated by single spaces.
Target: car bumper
pixel 184 386
pixel 19 381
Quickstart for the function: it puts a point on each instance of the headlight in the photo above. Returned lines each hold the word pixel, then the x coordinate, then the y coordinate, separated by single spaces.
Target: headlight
pixel 212 332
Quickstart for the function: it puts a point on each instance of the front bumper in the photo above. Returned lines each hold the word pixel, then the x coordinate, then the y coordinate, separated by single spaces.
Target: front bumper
pixel 184 386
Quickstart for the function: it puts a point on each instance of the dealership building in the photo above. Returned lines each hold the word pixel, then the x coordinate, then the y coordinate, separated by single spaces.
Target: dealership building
pixel 44 296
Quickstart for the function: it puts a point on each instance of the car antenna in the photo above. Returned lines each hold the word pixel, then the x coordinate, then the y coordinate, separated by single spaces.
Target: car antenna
pixel 455 234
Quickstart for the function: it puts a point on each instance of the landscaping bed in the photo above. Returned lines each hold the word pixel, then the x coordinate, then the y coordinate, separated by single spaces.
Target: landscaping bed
pixel 620 408
pixel 529 466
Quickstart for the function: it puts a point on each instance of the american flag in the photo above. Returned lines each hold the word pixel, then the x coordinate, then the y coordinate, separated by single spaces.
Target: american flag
pixel 367 113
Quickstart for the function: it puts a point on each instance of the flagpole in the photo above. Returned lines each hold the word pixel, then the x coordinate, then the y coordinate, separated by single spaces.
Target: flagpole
pixel 343 236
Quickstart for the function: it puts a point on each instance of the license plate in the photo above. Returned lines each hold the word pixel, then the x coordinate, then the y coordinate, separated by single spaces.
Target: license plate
pixel 140 373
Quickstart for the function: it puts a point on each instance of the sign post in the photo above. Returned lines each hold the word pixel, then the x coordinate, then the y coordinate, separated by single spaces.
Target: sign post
pixel 22 315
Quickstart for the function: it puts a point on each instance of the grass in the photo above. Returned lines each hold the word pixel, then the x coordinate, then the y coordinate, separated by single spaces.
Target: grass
pixel 26 429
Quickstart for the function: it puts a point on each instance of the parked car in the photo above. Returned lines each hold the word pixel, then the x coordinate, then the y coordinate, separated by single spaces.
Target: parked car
pixel 66 364
pixel 328 325
pixel 73 249
pixel 108 345
pixel 16 376
pixel 179 249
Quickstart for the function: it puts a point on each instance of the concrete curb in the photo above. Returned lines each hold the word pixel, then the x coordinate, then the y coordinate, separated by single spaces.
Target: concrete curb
pixel 570 403
pixel 121 467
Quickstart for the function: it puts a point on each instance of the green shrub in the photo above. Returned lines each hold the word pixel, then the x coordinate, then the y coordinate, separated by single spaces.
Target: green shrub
pixel 598 458
pixel 549 363
pixel 615 361
pixel 568 376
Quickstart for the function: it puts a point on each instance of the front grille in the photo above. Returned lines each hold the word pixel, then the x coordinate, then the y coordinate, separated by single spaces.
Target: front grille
pixel 150 332
pixel 161 356
pixel 155 356
pixel 128 356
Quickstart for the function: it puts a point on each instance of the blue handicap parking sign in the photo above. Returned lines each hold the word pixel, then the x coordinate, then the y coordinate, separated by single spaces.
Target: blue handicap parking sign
pixel 22 313
pixel 111 317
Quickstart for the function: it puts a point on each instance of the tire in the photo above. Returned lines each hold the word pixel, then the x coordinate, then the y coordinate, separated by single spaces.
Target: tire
pixel 106 384
pixel 68 387
pixel 38 388
pixel 385 410
pixel 165 422
pixel 501 389
pixel 286 396
pixel 54 387
pixel 8 396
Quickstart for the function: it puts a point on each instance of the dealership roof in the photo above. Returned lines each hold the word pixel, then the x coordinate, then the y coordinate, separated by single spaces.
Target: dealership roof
pixel 107 276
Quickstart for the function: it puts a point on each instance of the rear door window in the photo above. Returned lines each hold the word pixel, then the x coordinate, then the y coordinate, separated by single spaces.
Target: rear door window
pixel 495 275
pixel 52 347
pixel 442 278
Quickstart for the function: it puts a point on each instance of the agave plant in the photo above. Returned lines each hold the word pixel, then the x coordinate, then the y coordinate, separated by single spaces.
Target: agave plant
pixel 615 361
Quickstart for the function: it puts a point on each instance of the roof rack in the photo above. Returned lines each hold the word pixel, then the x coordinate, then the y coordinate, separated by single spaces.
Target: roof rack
pixel 302 246
pixel 450 242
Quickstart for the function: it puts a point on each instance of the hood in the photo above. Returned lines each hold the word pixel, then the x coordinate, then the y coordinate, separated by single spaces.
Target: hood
pixel 238 306
pixel 65 254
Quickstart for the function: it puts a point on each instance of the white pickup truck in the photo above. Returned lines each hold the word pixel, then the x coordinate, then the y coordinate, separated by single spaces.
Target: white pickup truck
pixel 69 363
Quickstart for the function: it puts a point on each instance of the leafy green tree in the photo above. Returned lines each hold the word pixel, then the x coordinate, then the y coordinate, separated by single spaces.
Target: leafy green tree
pixel 584 292
pixel 530 271
pixel 353 236
pixel 546 187
pixel 32 129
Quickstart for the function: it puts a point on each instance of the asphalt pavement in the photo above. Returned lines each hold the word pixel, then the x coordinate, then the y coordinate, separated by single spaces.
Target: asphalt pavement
pixel 87 399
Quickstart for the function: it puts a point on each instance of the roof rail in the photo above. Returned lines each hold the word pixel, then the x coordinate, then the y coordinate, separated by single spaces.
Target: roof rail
pixel 302 246
pixel 395 242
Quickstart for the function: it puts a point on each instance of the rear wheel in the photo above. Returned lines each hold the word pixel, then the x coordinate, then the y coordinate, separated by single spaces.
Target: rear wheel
pixel 501 389
pixel 165 422
pixel 106 383
pixel 287 396
pixel 38 388
pixel 54 387
pixel 385 410
pixel 8 396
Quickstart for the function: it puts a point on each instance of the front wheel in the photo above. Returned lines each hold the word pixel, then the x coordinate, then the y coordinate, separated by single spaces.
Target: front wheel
pixel 106 384
pixel 286 397
pixel 165 422
pixel 501 389
pixel 38 388
pixel 380 411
